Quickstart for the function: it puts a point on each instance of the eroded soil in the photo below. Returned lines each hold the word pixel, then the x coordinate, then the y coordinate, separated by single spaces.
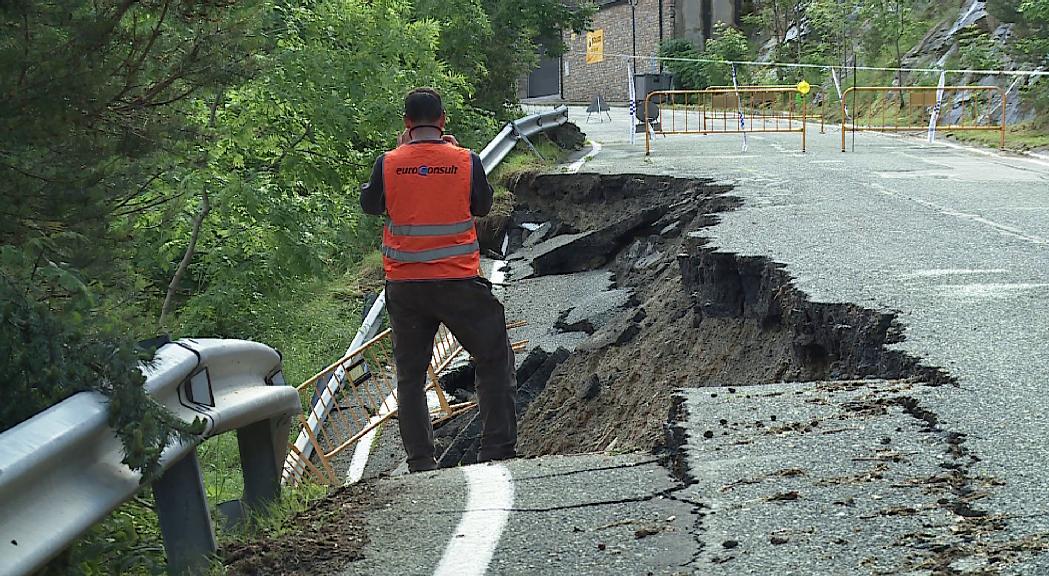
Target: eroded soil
pixel 324 538
pixel 698 317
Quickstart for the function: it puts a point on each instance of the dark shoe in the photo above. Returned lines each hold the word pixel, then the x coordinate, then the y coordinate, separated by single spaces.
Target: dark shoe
pixel 497 457
pixel 423 466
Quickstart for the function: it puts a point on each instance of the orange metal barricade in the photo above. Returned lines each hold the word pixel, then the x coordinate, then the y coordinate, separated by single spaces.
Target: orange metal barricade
pixel 910 109
pixel 717 111
pixel 810 116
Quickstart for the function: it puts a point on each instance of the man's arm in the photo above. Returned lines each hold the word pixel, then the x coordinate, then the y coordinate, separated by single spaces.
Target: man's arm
pixel 373 196
pixel 481 193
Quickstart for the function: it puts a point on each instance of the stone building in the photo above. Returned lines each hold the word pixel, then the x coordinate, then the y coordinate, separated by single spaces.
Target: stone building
pixel 624 25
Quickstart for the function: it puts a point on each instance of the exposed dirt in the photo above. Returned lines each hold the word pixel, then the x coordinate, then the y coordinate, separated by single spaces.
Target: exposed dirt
pixel 701 317
pixel 299 551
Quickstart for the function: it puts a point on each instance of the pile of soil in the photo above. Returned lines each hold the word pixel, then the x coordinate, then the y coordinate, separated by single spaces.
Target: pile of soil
pixel 298 550
pixel 699 317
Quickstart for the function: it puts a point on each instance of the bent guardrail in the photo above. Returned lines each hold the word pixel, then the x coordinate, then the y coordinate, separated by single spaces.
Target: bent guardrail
pixel 61 471
pixel 517 131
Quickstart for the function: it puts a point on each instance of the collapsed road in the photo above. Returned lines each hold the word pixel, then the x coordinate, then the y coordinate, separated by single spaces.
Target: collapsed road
pixel 767 362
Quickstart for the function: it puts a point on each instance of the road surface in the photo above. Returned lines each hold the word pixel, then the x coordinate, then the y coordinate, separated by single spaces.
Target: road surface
pixel 893 477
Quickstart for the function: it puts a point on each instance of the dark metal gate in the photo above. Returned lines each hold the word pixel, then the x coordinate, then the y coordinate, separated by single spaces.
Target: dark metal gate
pixel 545 80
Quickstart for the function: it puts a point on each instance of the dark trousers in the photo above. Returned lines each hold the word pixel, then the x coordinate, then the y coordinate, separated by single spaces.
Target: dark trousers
pixel 476 318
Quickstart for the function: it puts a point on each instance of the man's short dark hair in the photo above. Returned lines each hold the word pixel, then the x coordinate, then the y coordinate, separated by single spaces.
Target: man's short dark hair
pixel 423 105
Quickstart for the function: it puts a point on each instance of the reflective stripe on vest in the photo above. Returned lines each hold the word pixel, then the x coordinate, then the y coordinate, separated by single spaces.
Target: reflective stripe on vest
pixel 430 233
pixel 429 229
pixel 430 255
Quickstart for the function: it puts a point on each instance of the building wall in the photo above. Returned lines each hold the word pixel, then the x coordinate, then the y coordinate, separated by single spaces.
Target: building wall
pixel 681 18
pixel 582 81
pixel 695 19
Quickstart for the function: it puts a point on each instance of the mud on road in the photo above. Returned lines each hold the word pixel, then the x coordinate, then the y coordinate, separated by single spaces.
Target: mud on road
pixel 322 539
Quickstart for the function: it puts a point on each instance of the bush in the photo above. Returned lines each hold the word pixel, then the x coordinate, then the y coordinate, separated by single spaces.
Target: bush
pixel 728 43
pixel 691 73
pixel 977 50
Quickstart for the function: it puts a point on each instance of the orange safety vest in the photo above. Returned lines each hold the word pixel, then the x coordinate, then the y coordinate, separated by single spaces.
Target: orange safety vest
pixel 429 232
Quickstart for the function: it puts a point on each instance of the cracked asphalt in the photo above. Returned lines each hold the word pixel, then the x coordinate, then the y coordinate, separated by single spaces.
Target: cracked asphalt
pixel 955 241
pixel 590 515
pixel 872 477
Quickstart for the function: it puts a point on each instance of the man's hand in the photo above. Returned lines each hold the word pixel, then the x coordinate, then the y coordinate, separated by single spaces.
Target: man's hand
pixel 450 139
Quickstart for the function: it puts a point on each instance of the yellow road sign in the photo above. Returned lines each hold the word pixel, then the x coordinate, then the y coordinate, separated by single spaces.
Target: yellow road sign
pixel 595 46
pixel 804 87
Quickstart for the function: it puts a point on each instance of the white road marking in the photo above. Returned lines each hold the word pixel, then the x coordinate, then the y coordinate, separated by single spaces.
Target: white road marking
pixel 363 449
pixel 992 290
pixel 489 499
pixel 595 147
pixel 498 273
pixel 1003 229
pixel 1030 157
pixel 729 157
pixel 954 271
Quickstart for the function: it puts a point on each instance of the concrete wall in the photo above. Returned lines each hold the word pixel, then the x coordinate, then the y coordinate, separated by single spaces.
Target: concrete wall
pixel 695 19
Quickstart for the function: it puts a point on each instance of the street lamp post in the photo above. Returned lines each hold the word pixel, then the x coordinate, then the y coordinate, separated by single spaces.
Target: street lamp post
pixel 633 26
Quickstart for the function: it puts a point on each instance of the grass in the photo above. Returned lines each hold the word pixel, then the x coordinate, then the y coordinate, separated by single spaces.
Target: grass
pixel 1019 137
pixel 522 161
pixel 311 326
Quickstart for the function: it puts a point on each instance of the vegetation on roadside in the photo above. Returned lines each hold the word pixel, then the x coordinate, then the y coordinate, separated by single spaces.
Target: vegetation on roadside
pixel 1022 137
pixel 522 161
pixel 192 168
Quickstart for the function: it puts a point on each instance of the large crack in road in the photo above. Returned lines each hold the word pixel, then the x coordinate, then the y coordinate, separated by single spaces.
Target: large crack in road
pixel 688 410
pixel 694 317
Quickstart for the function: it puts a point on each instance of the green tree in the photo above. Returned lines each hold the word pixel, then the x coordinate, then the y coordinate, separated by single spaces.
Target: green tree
pixel 465 33
pixel 292 147
pixel 729 44
pixel 522 31
pixel 1032 32
pixel 55 344
pixel 891 25
pixel 93 103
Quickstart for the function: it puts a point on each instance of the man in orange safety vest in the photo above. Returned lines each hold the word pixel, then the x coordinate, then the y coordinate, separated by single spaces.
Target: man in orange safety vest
pixel 430 189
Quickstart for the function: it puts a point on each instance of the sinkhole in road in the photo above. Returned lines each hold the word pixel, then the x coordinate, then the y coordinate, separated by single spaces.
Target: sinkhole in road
pixel 675 313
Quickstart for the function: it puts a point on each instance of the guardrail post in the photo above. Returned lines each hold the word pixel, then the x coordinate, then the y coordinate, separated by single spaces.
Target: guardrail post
pixel 258 463
pixel 185 522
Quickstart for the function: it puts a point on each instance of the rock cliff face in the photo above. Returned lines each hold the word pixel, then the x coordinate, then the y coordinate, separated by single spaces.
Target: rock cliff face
pixel 941 46
pixel 943 41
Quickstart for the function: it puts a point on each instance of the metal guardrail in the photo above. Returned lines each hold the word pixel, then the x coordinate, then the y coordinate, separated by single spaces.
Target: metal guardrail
pixel 329 383
pixel 519 130
pixel 61 471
